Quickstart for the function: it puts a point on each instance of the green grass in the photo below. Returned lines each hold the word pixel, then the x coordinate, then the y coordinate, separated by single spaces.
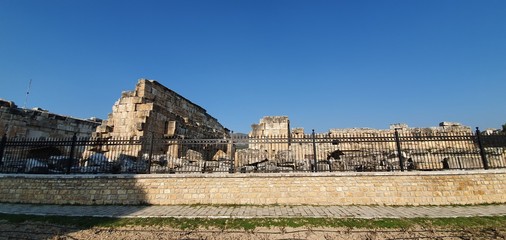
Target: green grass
pixel 250 224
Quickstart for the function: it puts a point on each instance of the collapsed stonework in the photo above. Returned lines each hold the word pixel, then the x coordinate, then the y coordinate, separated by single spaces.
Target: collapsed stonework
pixel 280 146
pixel 38 123
pixel 276 126
pixel 140 129
pixel 443 128
pixel 153 110
pixel 271 126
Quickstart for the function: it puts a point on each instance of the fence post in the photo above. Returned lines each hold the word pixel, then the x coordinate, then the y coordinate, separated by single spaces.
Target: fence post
pixel 315 164
pixel 399 150
pixel 232 153
pixel 3 142
pixel 150 152
pixel 482 149
pixel 70 161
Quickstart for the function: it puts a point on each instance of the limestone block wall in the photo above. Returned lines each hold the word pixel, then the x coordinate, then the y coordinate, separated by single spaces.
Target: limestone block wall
pixel 37 123
pixel 444 128
pixel 271 126
pixel 154 110
pixel 271 135
pixel 400 188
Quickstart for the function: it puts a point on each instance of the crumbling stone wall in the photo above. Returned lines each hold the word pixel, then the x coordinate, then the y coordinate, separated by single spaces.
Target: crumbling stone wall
pixel 444 128
pixel 153 110
pixel 274 146
pixel 271 126
pixel 38 123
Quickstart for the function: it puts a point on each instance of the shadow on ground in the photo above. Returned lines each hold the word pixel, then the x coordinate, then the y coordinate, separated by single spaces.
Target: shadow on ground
pixel 14 226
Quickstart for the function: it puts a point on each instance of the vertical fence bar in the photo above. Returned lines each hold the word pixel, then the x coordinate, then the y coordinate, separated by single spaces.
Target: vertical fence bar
pixel 482 149
pixel 70 160
pixel 399 150
pixel 150 152
pixel 315 164
pixel 361 152
pixel 3 142
pixel 232 153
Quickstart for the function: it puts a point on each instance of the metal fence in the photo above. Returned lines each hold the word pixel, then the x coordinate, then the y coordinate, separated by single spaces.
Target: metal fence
pixel 396 151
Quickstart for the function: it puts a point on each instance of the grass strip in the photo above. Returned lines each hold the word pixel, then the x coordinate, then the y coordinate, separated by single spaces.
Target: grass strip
pixel 250 224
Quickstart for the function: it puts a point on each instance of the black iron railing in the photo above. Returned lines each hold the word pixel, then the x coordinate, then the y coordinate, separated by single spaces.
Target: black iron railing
pixel 390 151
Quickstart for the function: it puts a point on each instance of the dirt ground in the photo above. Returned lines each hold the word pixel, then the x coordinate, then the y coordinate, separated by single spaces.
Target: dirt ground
pixel 49 231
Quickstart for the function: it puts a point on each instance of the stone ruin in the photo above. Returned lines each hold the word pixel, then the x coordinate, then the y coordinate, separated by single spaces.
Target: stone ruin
pixel 152 111
pixel 268 155
pixel 274 152
pixel 271 126
pixel 38 123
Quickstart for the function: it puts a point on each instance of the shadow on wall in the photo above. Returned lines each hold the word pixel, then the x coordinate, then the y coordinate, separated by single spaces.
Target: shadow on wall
pixel 65 198
pixel 69 171
pixel 106 189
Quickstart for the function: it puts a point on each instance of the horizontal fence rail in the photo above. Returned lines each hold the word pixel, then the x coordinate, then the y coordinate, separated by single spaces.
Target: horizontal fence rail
pixel 295 153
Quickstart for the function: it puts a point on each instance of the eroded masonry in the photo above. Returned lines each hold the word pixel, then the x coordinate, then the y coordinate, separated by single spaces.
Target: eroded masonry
pixel 282 148
pixel 154 129
pixel 153 110
pixel 134 136
pixel 38 123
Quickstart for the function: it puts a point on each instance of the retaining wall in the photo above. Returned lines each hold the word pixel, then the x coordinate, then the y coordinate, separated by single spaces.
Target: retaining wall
pixel 398 188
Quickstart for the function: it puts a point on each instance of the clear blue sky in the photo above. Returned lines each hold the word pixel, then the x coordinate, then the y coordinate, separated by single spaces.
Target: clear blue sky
pixel 325 64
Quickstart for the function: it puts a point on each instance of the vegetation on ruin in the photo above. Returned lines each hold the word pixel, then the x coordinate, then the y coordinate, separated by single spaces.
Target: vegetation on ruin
pixel 251 224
